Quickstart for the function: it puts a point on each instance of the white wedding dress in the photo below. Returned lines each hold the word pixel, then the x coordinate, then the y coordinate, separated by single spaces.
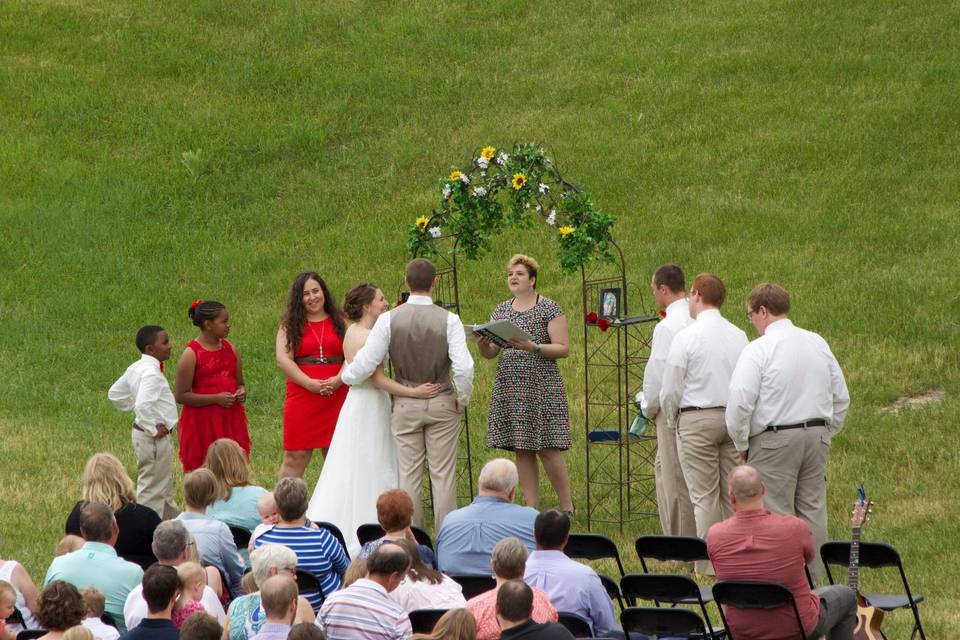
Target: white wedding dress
pixel 361 464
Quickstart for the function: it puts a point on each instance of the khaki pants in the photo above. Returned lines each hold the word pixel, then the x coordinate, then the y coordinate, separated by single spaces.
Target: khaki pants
pixel 155 473
pixel 428 431
pixel 707 456
pixel 673 499
pixel 793 466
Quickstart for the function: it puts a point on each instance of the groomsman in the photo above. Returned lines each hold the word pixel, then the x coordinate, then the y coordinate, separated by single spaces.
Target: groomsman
pixel 693 399
pixel 673 499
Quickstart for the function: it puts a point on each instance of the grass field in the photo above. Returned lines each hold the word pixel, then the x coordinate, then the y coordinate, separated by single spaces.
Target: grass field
pixel 815 144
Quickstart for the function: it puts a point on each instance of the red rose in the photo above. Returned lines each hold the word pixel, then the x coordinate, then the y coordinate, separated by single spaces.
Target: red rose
pixel 603 324
pixel 592 317
pixel 663 314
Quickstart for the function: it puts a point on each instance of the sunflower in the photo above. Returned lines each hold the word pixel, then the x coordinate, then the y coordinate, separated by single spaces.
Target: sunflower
pixel 565 231
pixel 488 153
pixel 519 179
pixel 422 223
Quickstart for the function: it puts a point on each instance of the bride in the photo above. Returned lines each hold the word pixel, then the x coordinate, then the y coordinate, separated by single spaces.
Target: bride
pixel 362 462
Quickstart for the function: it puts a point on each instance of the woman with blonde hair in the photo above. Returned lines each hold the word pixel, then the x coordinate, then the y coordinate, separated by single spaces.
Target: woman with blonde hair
pixel 455 624
pixel 237 497
pixel 105 480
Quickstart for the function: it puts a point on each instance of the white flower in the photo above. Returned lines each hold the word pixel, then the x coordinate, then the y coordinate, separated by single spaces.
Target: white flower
pixel 482 162
pixel 464 178
pixel 539 209
pixel 434 231
pixel 543 188
pixel 502 158
pixel 552 218
pixel 479 192
pixel 446 191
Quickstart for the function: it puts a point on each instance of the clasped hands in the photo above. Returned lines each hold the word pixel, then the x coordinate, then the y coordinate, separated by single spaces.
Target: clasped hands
pixel 325 386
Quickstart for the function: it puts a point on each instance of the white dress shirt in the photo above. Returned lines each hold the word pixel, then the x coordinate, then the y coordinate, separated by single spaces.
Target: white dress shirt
pixel 786 376
pixel 378 345
pixel 423 594
pixel 135 608
pixel 700 363
pixel 678 317
pixel 144 390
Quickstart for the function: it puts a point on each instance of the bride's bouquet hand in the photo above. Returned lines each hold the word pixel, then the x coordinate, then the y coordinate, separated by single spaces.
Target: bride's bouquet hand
pixel 426 390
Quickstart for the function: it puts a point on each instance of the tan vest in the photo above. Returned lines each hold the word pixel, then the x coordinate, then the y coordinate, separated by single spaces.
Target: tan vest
pixel 418 344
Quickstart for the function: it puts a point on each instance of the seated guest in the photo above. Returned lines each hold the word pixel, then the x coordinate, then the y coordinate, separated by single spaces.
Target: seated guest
pixel 96 563
pixel 59 608
pixel 171 545
pixel 395 515
pixel 105 480
pixel 573 587
pixel 93 602
pixel 514 605
pixel 304 631
pixel 279 599
pixel 423 587
pixel 455 624
pixel 467 536
pixel 237 496
pixel 161 586
pixel 214 541
pixel 245 616
pixel 755 544
pixel 200 626
pixel 508 563
pixel 192 583
pixel 318 552
pixel 364 610
pixel 26 592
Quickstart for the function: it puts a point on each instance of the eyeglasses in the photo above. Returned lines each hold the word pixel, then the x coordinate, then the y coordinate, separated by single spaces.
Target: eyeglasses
pixel 750 315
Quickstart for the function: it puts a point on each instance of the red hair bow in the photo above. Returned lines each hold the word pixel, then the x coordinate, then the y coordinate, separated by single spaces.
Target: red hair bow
pixel 196 303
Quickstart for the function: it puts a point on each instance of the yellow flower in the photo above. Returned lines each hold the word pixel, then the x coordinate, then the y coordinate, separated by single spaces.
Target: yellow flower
pixel 519 180
pixel 454 175
pixel 488 153
pixel 422 223
pixel 565 231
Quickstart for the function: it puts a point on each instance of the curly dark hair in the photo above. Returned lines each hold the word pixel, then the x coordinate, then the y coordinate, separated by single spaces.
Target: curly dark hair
pixel 61 606
pixel 295 315
pixel 360 295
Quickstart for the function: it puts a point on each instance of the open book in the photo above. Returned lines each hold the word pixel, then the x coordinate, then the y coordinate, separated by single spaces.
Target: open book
pixel 499 331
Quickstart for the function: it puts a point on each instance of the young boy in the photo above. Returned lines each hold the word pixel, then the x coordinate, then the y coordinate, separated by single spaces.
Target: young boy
pixel 94 602
pixel 144 390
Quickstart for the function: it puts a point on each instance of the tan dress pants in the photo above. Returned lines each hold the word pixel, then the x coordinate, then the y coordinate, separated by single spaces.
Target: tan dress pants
pixel 673 499
pixel 428 431
pixel 155 473
pixel 707 456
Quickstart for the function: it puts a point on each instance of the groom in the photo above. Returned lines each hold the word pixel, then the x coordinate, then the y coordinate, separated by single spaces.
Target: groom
pixel 425 343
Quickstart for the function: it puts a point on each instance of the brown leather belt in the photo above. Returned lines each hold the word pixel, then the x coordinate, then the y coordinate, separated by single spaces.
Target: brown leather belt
pixel 157 436
pixel 316 360
pixel 685 409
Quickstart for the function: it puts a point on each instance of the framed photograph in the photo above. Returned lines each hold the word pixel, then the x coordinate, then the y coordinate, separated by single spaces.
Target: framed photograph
pixel 610 303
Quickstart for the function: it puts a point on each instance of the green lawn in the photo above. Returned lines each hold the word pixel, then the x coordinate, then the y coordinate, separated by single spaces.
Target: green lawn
pixel 815 144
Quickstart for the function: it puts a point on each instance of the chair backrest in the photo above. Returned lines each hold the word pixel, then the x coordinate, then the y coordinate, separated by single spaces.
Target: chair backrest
pixel 308 583
pixel 241 537
pixel 660 587
pixel 755 594
pixel 422 536
pixel 335 530
pixel 474 585
pixel 612 588
pixel 424 620
pixel 31 634
pixel 592 546
pixel 661 623
pixel 579 627
pixel 678 548
pixel 108 620
pixel 373 531
pixel 17 618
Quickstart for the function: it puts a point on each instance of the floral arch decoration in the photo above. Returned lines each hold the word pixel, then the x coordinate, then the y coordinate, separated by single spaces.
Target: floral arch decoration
pixel 499 189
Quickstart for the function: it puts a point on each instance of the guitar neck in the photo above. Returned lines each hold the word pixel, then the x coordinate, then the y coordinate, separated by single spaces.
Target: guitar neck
pixel 853 575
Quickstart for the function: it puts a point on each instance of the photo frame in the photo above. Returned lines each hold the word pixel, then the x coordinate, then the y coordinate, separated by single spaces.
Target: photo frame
pixel 610 303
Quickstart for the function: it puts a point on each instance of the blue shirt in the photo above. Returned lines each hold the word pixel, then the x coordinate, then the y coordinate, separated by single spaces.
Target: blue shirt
pixel 240 509
pixel 96 564
pixel 153 629
pixel 573 587
pixel 468 535
pixel 272 631
pixel 216 547
pixel 318 552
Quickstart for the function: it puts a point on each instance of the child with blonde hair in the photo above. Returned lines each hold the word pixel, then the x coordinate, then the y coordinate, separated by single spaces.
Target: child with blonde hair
pixel 94 602
pixel 8 604
pixel 192 581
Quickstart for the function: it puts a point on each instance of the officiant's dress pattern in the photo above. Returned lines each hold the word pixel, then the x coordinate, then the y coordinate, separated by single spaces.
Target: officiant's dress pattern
pixel 528 409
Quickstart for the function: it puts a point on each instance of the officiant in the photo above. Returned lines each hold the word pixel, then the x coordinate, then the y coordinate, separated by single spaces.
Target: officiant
pixel 528 407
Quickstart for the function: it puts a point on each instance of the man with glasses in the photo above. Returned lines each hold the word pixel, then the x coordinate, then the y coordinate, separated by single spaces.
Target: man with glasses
pixel 787 400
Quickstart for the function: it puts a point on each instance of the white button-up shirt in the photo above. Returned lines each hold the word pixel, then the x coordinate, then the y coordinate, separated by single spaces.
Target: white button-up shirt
pixel 700 363
pixel 144 390
pixel 786 376
pixel 378 345
pixel 678 317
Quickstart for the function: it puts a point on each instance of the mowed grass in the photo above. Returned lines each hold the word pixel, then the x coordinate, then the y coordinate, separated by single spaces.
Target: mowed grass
pixel 815 144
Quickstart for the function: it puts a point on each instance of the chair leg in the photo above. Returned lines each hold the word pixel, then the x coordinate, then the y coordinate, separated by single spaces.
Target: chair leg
pixel 917 627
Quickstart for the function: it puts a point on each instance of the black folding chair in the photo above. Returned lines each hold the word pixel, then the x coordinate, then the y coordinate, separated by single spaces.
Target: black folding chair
pixel 241 537
pixel 660 623
pixel 17 618
pixel 335 530
pixel 668 588
pixel 108 620
pixel 592 546
pixel 754 594
pixel 474 585
pixel 613 589
pixel 876 555
pixel 373 531
pixel 579 627
pixel 307 583
pixel 31 634
pixel 673 548
pixel 424 620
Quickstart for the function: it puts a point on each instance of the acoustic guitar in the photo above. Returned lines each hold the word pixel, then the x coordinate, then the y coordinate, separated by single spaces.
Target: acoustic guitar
pixel 868 618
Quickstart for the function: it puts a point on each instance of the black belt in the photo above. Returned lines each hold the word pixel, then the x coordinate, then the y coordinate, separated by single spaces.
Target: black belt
pixel 316 360
pixel 685 409
pixel 157 436
pixel 819 422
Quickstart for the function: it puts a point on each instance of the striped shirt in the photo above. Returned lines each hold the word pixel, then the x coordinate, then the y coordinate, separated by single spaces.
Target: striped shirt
pixel 363 611
pixel 318 552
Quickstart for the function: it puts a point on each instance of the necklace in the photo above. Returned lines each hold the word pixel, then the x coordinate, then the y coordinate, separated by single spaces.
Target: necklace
pixel 323 328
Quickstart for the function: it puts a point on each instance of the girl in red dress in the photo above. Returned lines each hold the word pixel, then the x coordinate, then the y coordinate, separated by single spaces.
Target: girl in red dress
pixel 310 354
pixel 209 385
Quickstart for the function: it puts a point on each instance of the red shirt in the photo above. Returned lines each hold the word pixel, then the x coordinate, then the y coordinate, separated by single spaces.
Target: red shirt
pixel 484 609
pixel 759 545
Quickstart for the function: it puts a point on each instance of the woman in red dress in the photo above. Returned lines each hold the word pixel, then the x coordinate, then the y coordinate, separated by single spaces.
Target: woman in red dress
pixel 209 385
pixel 310 353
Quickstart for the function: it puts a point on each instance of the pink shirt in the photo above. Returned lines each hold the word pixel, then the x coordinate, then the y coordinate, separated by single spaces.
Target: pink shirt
pixel 759 545
pixel 484 609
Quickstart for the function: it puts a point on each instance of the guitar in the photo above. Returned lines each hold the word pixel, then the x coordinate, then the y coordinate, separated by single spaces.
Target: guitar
pixel 868 618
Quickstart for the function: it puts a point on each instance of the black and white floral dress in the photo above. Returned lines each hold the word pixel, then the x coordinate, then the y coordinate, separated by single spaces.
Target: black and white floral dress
pixel 528 409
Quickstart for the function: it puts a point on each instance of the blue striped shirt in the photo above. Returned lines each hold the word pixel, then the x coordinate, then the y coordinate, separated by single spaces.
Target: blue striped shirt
pixel 318 552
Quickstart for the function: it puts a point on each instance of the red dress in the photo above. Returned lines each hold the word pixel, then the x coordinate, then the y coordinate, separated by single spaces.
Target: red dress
pixel 309 418
pixel 215 372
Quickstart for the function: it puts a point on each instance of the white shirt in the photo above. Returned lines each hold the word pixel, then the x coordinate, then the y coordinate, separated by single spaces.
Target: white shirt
pixel 378 345
pixel 100 630
pixel 135 608
pixel 144 390
pixel 786 376
pixel 423 594
pixel 700 363
pixel 678 317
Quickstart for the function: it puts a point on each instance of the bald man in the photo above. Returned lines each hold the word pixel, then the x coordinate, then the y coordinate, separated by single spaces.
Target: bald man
pixel 755 544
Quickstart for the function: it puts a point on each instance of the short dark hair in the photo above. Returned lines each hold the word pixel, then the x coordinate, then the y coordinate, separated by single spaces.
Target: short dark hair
pixel 515 601
pixel 420 274
pixel 60 606
pixel 387 559
pixel 147 335
pixel 670 275
pixel 290 494
pixel 200 626
pixel 710 288
pixel 160 584
pixel 551 528
pixel 204 311
pixel 96 522
pixel 302 631
pixel 770 295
